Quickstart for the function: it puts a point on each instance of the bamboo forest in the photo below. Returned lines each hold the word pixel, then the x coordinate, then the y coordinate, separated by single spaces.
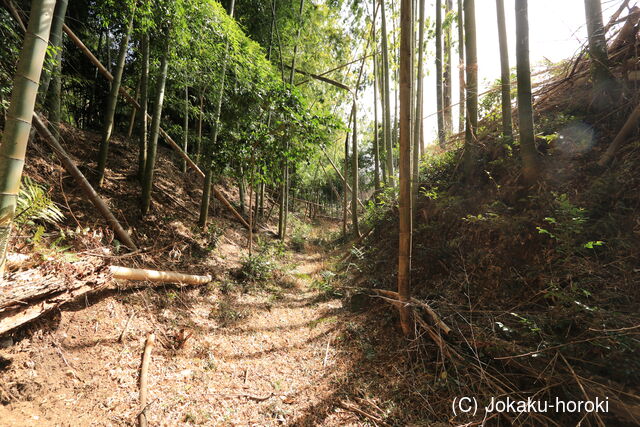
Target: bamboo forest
pixel 320 213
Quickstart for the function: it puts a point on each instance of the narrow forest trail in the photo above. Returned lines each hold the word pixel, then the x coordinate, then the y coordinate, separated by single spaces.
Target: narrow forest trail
pixel 275 355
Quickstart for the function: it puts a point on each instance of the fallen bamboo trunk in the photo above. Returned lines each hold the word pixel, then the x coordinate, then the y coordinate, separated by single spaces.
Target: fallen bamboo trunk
pixel 123 91
pixel 157 276
pixel 22 304
pixel 82 182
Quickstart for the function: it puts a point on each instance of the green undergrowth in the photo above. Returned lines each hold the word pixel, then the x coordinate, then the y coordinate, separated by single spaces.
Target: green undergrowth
pixel 516 269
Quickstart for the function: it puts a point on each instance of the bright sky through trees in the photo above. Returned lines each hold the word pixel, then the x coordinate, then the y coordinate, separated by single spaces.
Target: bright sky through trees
pixel 557 32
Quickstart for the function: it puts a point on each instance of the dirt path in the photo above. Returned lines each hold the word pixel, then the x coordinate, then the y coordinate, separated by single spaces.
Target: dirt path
pixel 263 357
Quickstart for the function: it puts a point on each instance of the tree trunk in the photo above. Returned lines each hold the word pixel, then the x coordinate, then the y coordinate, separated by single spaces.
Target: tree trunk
pixel 206 198
pixel 354 171
pixel 206 191
pixel 185 128
pixel 447 70
pixel 439 97
pixel 376 144
pixel 241 192
pixel 284 206
pixel 55 40
pixel 54 99
pixel 134 112
pixel 345 184
pixel 461 83
pixel 18 125
pixel 404 250
pixel 388 143
pixel 112 102
pixel 144 101
pixel 505 74
pixel 601 75
pixel 262 191
pixel 281 203
pixel 471 87
pixel 525 110
pixel 51 88
pixel 382 148
pixel 199 139
pixel 417 126
pixel 152 147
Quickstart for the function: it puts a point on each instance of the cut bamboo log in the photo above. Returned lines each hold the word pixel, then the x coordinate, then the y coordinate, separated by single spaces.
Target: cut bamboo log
pixel 123 91
pixel 22 304
pixel 158 276
pixel 82 182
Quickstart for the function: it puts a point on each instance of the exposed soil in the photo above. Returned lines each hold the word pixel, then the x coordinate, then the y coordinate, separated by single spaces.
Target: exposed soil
pixel 263 357
pixel 281 352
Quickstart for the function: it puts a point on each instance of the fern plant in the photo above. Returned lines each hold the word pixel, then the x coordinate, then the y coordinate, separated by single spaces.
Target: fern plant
pixel 34 204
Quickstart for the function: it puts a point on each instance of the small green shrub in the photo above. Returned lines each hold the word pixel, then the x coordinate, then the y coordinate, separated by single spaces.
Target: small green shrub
pixel 326 285
pixel 567 226
pixel 257 268
pixel 300 233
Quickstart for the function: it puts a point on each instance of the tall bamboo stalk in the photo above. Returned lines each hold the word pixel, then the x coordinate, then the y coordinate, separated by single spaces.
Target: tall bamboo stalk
pixel 206 190
pixel 284 205
pixel 144 101
pixel 185 128
pixel 439 97
pixel 376 143
pixel 447 75
pixel 598 52
pixel 472 86
pixel 152 148
pixel 404 250
pixel 388 143
pixel 461 83
pixel 112 101
pixel 134 112
pixel 19 115
pixel 51 87
pixel 354 166
pixel 505 75
pixel 417 126
pixel 528 150
pixel 55 40
pixel 199 138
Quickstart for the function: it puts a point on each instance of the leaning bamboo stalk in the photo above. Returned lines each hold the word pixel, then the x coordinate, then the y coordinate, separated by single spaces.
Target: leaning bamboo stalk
pixel 629 126
pixel 123 91
pixel 144 375
pixel 158 276
pixel 82 182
